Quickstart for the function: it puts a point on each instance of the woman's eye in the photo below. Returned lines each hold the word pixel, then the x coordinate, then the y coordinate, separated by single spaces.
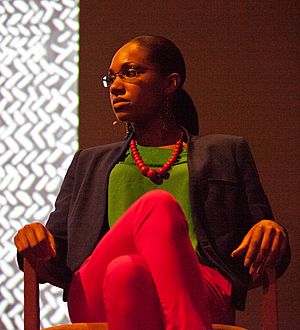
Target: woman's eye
pixel 111 78
pixel 131 73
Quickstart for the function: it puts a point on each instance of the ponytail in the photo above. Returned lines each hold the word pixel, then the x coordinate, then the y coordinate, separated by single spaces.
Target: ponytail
pixel 185 112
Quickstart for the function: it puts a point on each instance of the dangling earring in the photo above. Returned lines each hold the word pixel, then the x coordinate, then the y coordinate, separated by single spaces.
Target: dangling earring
pixel 129 130
pixel 165 114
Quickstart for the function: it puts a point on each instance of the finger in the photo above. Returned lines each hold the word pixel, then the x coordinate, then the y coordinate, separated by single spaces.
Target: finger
pixel 46 242
pixel 253 247
pixel 25 239
pixel 242 248
pixel 274 254
pixel 32 242
pixel 42 248
pixel 23 246
pixel 52 244
pixel 283 247
pixel 21 242
pixel 264 250
pixel 40 232
pixel 47 245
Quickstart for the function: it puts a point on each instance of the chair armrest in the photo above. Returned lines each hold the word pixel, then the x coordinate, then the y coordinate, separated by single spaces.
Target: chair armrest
pixel 269 302
pixel 31 298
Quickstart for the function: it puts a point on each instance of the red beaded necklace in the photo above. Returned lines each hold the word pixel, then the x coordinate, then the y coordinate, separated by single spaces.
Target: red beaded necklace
pixel 161 173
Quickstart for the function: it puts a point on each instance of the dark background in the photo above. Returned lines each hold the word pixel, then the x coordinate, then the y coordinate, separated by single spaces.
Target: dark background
pixel 243 73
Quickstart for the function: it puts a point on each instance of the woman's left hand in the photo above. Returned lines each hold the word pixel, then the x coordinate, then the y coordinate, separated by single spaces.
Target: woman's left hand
pixel 263 246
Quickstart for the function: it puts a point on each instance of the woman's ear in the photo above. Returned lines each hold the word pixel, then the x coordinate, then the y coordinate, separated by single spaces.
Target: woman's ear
pixel 173 82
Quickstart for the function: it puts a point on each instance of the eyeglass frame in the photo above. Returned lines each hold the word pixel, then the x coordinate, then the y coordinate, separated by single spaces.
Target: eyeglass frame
pixel 121 74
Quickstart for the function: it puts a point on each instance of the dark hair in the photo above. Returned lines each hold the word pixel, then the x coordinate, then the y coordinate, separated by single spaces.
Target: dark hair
pixel 163 53
pixel 166 55
pixel 185 112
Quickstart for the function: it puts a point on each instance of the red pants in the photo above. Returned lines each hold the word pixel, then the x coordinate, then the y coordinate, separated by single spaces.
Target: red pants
pixel 144 274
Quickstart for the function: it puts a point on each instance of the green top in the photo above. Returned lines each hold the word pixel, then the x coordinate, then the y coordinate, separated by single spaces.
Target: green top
pixel 127 184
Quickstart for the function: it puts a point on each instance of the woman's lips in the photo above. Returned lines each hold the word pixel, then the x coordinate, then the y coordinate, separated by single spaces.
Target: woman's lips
pixel 119 102
pixel 119 99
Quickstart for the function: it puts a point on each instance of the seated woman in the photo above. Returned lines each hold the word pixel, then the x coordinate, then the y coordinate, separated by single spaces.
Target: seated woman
pixel 161 230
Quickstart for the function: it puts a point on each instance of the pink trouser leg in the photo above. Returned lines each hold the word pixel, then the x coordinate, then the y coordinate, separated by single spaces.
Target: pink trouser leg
pixel 155 231
pixel 130 295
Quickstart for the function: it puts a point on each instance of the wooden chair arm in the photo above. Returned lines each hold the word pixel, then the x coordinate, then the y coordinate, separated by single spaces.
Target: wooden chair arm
pixel 269 301
pixel 31 298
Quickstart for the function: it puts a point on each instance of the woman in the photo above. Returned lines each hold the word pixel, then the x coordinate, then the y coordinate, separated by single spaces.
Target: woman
pixel 159 231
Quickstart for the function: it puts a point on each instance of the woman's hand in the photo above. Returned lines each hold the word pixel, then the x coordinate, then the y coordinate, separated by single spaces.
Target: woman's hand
pixel 263 246
pixel 35 242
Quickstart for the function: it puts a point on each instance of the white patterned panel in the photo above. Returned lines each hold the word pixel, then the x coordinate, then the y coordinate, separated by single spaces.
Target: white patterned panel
pixel 38 133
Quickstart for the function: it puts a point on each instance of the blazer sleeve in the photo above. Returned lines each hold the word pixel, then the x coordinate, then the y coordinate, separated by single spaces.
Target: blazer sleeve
pixel 258 204
pixel 257 201
pixel 58 219
pixel 56 270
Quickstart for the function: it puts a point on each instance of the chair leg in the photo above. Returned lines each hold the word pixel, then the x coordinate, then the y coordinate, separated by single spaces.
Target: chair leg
pixel 31 298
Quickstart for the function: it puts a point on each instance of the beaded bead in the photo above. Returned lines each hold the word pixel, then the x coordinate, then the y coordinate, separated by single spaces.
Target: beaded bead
pixel 144 170
pixel 162 173
pixel 152 174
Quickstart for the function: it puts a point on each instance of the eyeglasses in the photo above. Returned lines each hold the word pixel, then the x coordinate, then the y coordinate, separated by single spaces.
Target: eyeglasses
pixel 128 75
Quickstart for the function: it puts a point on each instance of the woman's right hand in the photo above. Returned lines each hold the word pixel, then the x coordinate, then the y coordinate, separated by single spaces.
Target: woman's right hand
pixel 35 242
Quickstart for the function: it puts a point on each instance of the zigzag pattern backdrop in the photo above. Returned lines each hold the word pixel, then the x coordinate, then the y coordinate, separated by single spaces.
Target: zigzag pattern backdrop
pixel 38 133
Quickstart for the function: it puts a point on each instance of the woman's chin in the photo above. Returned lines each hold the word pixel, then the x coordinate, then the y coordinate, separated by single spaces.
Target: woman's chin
pixel 122 116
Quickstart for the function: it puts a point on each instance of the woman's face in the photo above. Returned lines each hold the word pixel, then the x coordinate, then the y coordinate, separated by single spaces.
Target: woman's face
pixel 139 99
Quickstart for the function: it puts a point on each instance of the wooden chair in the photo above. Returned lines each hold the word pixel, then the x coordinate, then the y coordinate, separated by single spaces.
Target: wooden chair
pixel 32 309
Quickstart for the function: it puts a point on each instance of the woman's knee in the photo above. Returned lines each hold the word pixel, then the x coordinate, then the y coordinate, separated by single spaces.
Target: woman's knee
pixel 126 279
pixel 126 272
pixel 163 213
pixel 159 197
pixel 130 296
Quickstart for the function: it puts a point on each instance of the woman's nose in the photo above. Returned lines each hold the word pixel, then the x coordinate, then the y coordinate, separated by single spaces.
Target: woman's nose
pixel 117 87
